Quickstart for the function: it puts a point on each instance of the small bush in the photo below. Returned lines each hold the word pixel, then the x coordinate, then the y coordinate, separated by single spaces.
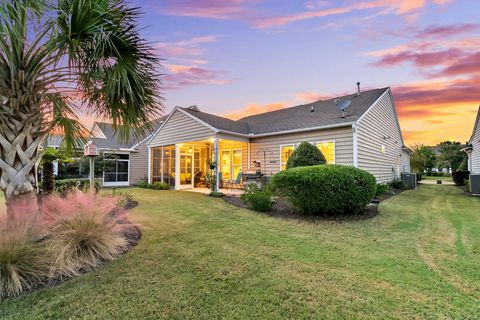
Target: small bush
pixel 144 184
pixel 85 232
pixel 306 154
pixel 330 189
pixel 161 186
pixel 216 194
pixel 382 188
pixel 467 186
pixel 460 177
pixel 122 198
pixel 397 184
pixel 68 185
pixel 258 199
pixel 23 261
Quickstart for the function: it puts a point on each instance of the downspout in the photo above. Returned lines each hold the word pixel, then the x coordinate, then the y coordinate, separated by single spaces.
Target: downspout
pixel 355 145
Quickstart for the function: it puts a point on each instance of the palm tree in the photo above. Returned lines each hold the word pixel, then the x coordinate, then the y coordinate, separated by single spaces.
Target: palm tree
pixel 57 55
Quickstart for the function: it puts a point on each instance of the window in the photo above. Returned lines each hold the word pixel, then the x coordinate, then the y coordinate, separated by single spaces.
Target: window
pixel 116 168
pixel 230 163
pixel 285 152
pixel 169 165
pixel 156 164
pixel 328 150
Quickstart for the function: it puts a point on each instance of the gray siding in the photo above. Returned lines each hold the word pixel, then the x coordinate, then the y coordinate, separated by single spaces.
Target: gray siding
pixel 379 127
pixel 475 141
pixel 139 163
pixel 342 136
pixel 181 128
pixel 405 162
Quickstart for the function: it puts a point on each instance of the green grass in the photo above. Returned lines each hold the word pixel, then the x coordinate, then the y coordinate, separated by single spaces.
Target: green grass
pixel 436 178
pixel 202 258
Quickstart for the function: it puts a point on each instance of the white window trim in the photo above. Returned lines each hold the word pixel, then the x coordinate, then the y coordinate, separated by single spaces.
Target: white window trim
pixel 334 148
pixel 122 183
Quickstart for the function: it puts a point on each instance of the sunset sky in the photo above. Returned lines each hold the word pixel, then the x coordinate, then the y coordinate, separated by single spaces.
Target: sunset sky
pixel 238 57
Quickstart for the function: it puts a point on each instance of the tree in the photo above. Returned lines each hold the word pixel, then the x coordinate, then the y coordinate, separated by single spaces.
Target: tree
pixel 422 158
pixel 57 55
pixel 306 154
pixel 450 154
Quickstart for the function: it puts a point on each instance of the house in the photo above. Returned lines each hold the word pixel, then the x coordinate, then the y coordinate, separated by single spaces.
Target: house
pixel 473 147
pixel 360 129
pixel 127 160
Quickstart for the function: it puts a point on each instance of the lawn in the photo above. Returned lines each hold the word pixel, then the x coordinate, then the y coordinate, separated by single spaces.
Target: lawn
pixel 202 258
pixel 436 178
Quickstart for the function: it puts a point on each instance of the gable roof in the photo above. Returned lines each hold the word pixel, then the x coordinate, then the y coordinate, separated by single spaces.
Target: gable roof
pixel 475 126
pixel 325 114
pixel 110 140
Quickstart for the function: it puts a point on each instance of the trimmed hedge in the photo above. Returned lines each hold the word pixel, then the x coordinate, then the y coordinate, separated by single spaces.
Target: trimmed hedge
pixel 460 177
pixel 306 154
pixel 326 189
pixel 67 185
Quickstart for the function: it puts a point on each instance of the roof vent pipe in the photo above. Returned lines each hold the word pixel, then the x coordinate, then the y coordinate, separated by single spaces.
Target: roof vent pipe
pixel 311 109
pixel 358 88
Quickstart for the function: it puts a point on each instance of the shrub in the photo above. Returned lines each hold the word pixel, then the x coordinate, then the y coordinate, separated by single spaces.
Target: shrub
pixel 460 177
pixel 68 185
pixel 382 188
pixel 463 165
pixel 23 261
pixel 144 184
pixel 257 199
pixel 397 184
pixel 306 154
pixel 85 232
pixel 216 194
pixel 419 176
pixel 331 189
pixel 160 186
pixel 467 186
pixel 122 199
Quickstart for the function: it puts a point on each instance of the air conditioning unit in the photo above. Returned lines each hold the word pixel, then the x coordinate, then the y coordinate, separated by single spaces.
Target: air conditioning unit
pixel 475 183
pixel 409 180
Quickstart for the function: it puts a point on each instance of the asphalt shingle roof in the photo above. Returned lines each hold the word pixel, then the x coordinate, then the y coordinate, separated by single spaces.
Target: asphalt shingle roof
pixel 113 141
pixel 299 117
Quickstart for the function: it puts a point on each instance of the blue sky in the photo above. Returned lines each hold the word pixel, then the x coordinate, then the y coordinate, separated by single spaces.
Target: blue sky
pixel 237 57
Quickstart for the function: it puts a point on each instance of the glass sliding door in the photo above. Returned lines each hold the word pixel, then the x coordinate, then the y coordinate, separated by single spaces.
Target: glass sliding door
pixel 226 164
pixel 169 165
pixel 236 163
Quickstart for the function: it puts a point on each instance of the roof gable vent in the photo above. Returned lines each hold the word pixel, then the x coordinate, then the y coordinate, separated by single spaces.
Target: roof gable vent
pixel 194 108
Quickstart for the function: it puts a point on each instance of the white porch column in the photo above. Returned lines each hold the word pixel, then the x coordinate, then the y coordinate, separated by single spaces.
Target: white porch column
pixel 469 155
pixel 149 160
pixel 217 163
pixel 177 167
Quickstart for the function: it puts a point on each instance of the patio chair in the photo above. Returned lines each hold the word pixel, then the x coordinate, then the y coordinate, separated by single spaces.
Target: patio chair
pixel 237 183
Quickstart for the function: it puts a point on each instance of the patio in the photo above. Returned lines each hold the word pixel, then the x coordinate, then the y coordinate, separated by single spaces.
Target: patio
pixel 229 192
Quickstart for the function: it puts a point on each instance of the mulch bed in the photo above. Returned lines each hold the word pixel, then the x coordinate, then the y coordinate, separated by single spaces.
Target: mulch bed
pixel 283 209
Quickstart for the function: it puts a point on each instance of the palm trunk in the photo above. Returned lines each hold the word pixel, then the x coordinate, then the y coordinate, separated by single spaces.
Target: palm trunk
pixel 20 156
pixel 47 177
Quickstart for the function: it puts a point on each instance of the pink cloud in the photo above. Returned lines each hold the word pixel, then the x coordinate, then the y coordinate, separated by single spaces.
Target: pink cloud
pixel 216 9
pixel 421 59
pixel 180 76
pixel 466 65
pixel 185 49
pixel 448 31
pixel 308 97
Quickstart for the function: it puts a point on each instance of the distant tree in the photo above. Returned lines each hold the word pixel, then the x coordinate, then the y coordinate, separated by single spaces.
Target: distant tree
pixel 422 159
pixel 306 154
pixel 450 155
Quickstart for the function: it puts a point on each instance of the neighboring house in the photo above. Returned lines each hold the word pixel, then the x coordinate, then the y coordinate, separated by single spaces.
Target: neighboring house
pixel 473 147
pixel 366 135
pixel 129 159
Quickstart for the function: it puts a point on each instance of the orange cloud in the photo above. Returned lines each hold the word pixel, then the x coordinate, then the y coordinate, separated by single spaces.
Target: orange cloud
pixel 254 108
